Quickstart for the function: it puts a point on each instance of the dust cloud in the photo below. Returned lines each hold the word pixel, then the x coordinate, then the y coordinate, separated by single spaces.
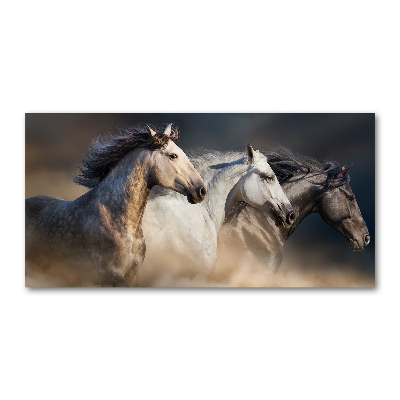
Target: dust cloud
pixel 301 266
pixel 299 269
pixel 292 274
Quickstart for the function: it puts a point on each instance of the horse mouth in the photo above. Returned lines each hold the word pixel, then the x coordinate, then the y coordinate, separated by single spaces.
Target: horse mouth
pixel 196 195
pixel 192 200
pixel 355 246
pixel 282 221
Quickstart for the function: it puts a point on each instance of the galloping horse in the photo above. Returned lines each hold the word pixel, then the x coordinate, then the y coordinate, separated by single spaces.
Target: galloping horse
pixel 99 234
pixel 311 187
pixel 172 226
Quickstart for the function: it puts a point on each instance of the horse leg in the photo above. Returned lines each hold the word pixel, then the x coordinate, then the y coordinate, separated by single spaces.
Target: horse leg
pixel 127 279
pixel 268 263
pixel 131 277
pixel 276 261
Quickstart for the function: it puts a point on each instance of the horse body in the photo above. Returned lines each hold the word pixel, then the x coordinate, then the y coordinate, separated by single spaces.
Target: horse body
pixel 189 237
pixel 99 234
pixel 190 233
pixel 258 239
pixel 174 226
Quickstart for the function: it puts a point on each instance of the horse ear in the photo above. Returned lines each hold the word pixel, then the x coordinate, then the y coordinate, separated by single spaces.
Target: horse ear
pixel 250 152
pixel 168 130
pixel 344 171
pixel 152 133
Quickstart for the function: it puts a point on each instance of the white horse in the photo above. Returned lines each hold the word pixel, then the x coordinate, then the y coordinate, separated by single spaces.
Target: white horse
pixel 173 226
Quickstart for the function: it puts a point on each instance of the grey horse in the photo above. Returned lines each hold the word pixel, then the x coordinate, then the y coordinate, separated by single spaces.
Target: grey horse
pixel 98 237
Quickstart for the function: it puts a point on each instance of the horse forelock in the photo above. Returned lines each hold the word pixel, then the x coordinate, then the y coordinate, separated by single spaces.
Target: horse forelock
pixel 333 179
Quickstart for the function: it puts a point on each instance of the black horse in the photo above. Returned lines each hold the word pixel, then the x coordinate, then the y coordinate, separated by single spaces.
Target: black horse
pixel 311 187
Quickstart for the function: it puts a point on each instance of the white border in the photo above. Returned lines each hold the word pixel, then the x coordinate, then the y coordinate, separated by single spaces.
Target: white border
pixel 208 57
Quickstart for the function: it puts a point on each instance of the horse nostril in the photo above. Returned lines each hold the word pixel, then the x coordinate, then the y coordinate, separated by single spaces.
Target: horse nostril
pixel 290 218
pixel 203 192
pixel 367 239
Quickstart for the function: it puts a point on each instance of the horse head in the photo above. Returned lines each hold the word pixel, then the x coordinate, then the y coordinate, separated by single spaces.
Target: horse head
pixel 338 207
pixel 172 168
pixel 260 188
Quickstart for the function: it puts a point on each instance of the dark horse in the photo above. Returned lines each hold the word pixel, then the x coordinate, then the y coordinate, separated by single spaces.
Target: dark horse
pixel 311 187
pixel 99 235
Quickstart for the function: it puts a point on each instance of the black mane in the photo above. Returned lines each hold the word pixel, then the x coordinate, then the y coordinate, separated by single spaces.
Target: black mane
pixel 104 154
pixel 287 165
pixel 292 167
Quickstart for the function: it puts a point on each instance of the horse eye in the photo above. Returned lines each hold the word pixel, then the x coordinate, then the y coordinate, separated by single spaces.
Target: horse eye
pixel 352 198
pixel 173 156
pixel 270 178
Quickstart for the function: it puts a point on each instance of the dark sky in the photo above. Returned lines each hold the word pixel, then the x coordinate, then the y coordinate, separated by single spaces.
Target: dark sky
pixel 57 141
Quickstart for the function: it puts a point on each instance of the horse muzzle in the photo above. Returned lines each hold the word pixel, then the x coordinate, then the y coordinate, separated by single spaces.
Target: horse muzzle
pixel 197 196
pixel 356 246
pixel 284 214
pixel 290 217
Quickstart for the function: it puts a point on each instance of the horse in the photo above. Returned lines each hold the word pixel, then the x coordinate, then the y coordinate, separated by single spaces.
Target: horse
pixel 99 234
pixel 311 187
pixel 175 229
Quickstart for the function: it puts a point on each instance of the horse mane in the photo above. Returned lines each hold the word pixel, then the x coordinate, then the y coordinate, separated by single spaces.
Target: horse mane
pixel 202 159
pixel 106 153
pixel 286 165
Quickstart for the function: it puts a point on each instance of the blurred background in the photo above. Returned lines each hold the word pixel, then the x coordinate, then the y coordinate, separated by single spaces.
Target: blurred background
pixel 56 143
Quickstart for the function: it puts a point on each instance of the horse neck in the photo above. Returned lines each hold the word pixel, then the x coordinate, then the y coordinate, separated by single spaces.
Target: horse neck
pixel 219 186
pixel 124 192
pixel 302 196
pixel 233 198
